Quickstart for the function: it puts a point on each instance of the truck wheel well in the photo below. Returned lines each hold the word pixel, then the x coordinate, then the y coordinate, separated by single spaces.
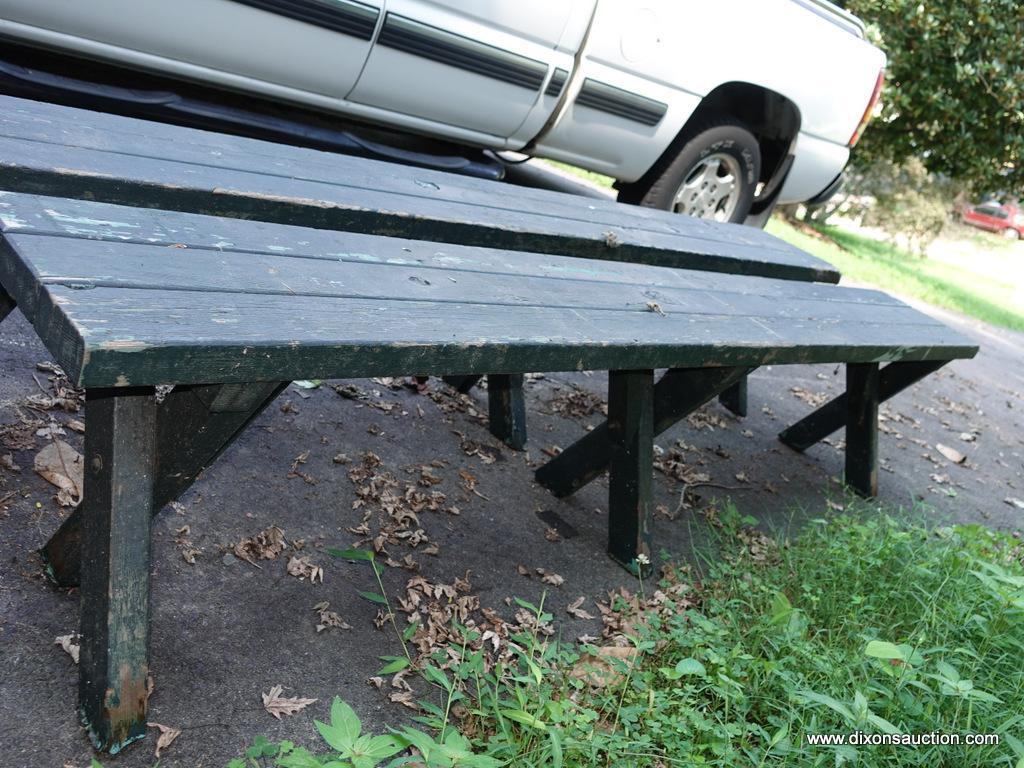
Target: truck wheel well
pixel 770 116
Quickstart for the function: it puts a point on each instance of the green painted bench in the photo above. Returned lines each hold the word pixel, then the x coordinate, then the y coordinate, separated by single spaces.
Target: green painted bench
pixel 48 149
pixel 229 311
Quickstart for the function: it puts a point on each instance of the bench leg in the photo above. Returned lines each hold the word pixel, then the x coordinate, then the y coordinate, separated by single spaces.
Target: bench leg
pixel 862 428
pixel 507 409
pixel 677 394
pixel 631 435
pixel 892 380
pixel 735 397
pixel 6 304
pixel 116 508
pixel 194 426
pixel 462 384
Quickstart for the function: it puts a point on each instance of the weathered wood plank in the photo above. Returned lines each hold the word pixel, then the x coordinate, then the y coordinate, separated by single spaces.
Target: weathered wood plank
pixel 189 439
pixel 32 214
pixel 95 157
pixel 48 123
pixel 507 409
pixel 735 397
pixel 862 428
pixel 103 264
pixel 631 466
pixel 118 336
pixel 120 458
pixel 678 393
pixel 821 423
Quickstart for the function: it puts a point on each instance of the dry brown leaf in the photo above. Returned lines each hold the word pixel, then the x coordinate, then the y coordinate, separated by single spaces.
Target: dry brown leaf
pixel 603 669
pixel 167 736
pixel 653 306
pixel 550 577
pixel 278 705
pixel 70 644
pixel 304 568
pixel 552 534
pixel 951 453
pixel 575 610
pixel 60 464
pixel 328 618
pixel 265 545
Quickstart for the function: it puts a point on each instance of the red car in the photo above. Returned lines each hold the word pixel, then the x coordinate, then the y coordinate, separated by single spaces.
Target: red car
pixel 1007 220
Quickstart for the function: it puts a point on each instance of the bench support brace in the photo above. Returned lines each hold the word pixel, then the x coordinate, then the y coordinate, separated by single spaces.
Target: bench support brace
pixel 631 439
pixel 677 394
pixel 862 428
pixel 194 426
pixel 850 408
pixel 735 397
pixel 892 380
pixel 461 384
pixel 505 404
pixel 507 408
pixel 6 304
pixel 117 503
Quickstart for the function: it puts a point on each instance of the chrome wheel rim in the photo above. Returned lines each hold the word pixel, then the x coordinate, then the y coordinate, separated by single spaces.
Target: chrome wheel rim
pixel 711 190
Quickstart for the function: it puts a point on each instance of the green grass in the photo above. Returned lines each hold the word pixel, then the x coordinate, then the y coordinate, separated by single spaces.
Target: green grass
pixel 861 623
pixel 991 295
pixel 595 178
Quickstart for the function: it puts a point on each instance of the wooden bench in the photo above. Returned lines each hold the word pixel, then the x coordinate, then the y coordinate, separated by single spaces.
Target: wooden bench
pixel 48 149
pixel 229 311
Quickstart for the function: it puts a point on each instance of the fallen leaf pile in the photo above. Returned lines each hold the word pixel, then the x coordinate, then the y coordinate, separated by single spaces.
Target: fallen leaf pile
pixel 61 395
pixel 391 509
pixel 304 568
pixel 371 399
pixel 704 418
pixel 673 463
pixel 577 404
pixel 265 545
pixel 813 399
pixel 328 619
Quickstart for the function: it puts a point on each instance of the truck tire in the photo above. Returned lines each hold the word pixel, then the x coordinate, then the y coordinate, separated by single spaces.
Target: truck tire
pixel 713 175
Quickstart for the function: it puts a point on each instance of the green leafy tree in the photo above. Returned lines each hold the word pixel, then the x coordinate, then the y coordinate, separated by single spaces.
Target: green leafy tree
pixel 954 94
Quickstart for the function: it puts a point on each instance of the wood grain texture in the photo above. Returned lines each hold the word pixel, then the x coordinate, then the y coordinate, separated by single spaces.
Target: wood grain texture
pixel 120 464
pixel 48 149
pixel 125 312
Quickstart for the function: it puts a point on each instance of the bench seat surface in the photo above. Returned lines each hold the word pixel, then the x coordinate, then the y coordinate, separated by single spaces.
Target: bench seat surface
pixel 126 296
pixel 66 152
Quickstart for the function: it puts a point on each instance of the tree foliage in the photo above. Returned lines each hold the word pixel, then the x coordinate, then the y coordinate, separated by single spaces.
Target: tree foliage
pixel 954 93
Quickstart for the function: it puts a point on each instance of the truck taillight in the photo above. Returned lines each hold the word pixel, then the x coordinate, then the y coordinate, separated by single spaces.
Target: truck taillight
pixel 870 110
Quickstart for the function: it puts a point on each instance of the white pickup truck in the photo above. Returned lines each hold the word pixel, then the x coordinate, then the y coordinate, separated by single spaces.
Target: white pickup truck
pixel 714 109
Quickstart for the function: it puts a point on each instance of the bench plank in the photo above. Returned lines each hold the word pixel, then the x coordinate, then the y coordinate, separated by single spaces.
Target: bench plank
pixel 48 149
pixel 115 312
